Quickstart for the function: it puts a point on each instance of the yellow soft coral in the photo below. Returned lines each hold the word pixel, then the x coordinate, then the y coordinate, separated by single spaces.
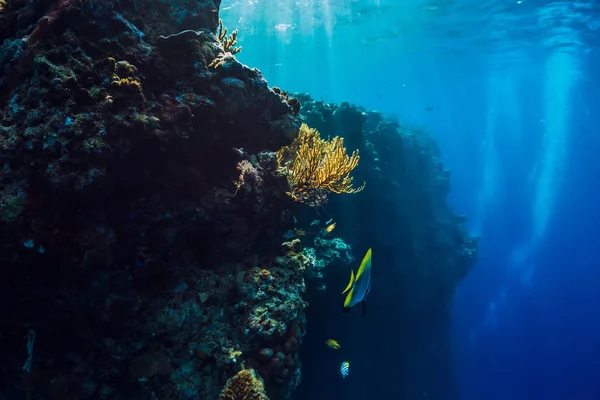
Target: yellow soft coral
pixel 315 167
pixel 245 385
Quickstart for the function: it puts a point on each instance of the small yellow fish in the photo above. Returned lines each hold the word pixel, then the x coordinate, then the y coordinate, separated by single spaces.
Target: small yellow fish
pixel 334 344
pixel 330 227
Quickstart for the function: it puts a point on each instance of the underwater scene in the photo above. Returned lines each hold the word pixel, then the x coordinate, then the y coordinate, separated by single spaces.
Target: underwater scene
pixel 299 199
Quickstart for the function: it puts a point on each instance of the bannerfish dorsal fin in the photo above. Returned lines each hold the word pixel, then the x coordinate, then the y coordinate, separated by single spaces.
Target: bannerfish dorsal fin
pixel 350 283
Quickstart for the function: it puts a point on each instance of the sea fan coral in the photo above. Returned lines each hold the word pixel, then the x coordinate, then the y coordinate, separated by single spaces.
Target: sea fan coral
pixel 315 167
pixel 245 385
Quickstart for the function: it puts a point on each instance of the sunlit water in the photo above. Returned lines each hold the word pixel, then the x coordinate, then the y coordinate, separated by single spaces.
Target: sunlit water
pixel 335 31
pixel 402 57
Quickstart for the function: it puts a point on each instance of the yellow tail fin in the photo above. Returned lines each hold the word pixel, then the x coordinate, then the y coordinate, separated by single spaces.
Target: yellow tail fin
pixel 350 283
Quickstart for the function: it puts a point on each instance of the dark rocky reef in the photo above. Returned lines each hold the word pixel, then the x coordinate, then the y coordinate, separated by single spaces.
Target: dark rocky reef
pixel 420 251
pixel 142 214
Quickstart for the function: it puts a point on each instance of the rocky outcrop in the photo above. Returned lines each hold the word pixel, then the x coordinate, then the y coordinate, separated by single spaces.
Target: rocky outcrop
pixel 140 209
pixel 420 253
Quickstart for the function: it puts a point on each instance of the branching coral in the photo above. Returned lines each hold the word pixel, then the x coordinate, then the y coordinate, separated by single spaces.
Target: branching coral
pixel 315 167
pixel 228 43
pixel 245 385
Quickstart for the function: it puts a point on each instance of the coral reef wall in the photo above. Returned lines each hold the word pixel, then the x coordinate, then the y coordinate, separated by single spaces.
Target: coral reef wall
pixel 148 248
pixel 420 253
pixel 141 215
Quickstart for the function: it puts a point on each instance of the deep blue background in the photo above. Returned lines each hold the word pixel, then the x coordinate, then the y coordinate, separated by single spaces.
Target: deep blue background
pixel 544 339
pixel 546 342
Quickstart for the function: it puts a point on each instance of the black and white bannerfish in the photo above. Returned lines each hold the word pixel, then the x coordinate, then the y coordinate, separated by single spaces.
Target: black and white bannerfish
pixel 360 285
pixel 345 369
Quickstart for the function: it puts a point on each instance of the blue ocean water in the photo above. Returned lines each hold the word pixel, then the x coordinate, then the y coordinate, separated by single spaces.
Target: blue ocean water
pixel 509 89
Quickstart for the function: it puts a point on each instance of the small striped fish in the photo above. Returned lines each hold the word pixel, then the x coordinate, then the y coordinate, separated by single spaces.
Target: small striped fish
pixel 345 369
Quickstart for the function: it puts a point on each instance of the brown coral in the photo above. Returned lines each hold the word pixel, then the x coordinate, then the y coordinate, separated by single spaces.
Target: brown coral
pixel 291 101
pixel 315 167
pixel 228 42
pixel 248 174
pixel 293 246
pixel 229 46
pixel 121 68
pixel 245 385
